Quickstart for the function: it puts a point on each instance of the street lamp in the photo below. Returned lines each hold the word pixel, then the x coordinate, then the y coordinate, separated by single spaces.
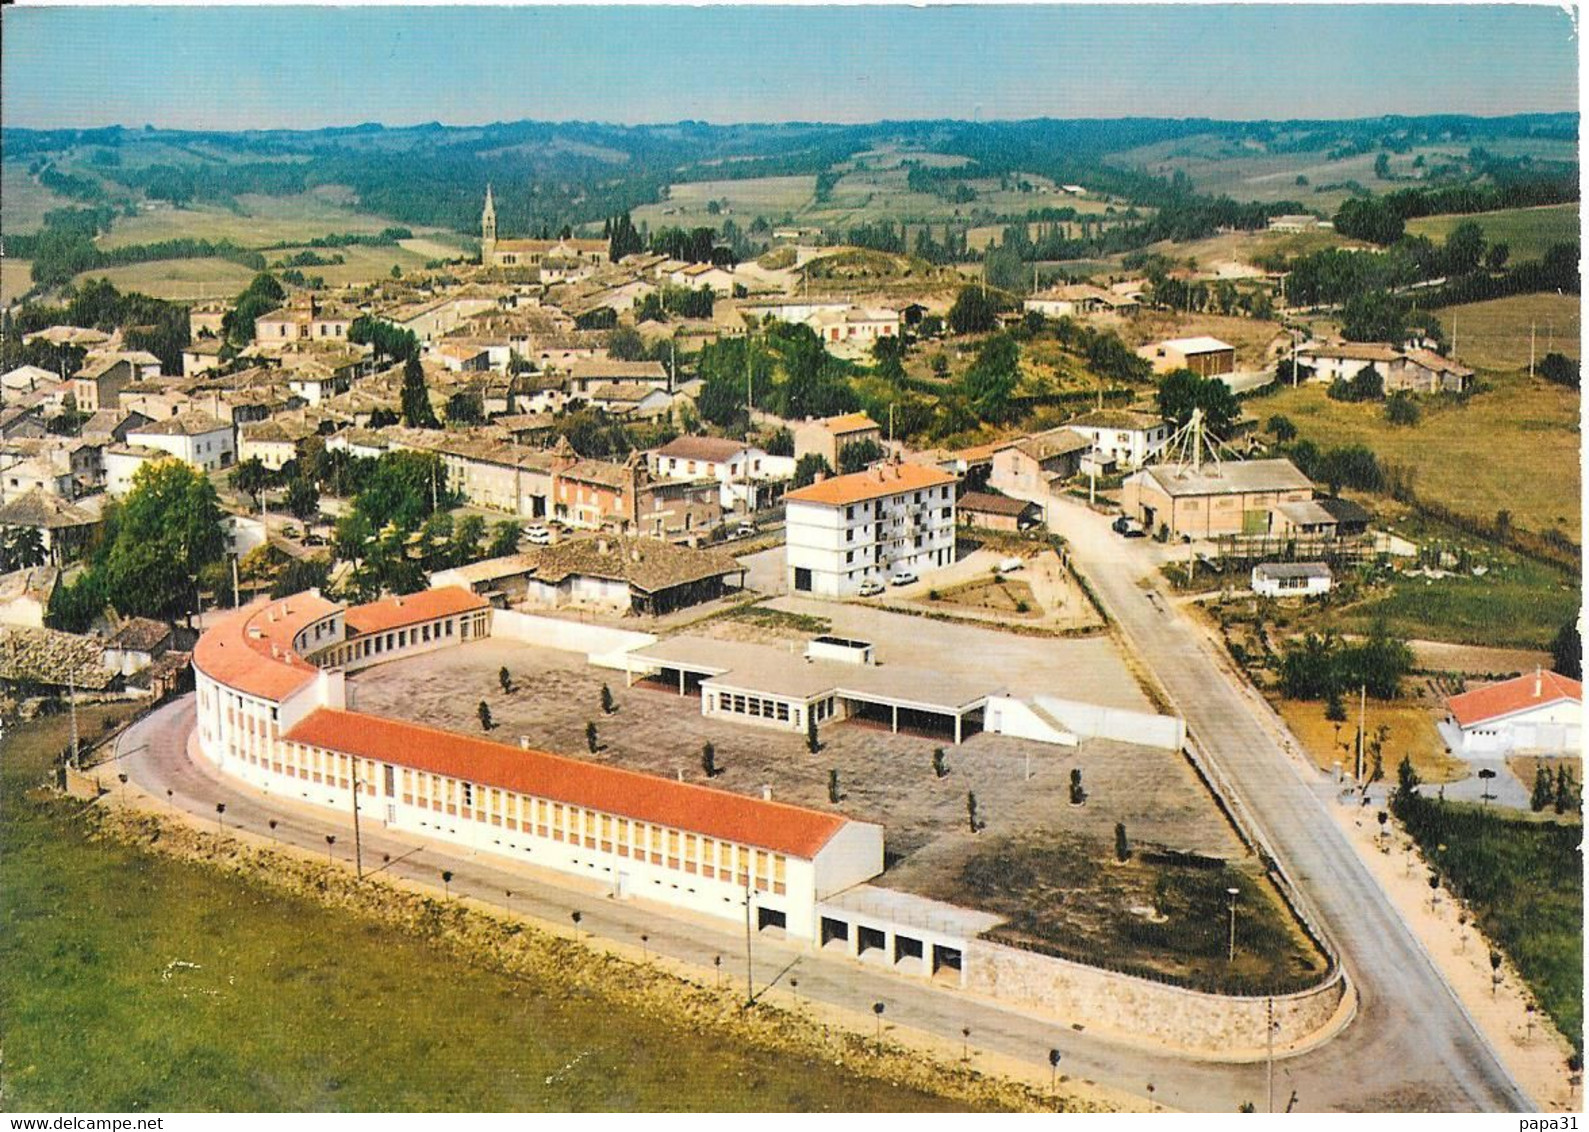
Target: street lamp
pixel 1232 894
pixel 877 1009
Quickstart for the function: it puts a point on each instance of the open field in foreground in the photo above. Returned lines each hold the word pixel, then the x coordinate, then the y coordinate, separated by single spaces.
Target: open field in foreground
pixel 1527 232
pixel 1513 448
pixel 1494 335
pixel 1523 878
pixel 292 1005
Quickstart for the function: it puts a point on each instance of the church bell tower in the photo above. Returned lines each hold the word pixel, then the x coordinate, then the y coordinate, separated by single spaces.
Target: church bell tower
pixel 488 231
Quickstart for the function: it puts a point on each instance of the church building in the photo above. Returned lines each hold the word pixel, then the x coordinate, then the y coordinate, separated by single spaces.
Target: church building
pixel 532 253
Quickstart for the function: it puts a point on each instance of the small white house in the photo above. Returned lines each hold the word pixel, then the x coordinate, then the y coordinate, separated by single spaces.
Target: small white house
pixel 1540 713
pixel 193 437
pixel 1291 579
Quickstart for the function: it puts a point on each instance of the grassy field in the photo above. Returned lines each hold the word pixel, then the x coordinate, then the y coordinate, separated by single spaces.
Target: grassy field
pixel 1527 232
pixel 294 1007
pixel 1494 335
pixel 16 277
pixel 1412 733
pixel 1515 447
pixel 771 197
pixel 178 278
pixel 1524 880
pixel 262 221
pixel 360 264
pixel 23 201
pixel 1521 606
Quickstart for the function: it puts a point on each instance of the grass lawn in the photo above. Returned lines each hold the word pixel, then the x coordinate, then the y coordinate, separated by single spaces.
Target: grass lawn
pixel 1514 448
pixel 1412 732
pixel 1527 232
pixel 1524 880
pixel 1494 335
pixel 291 1006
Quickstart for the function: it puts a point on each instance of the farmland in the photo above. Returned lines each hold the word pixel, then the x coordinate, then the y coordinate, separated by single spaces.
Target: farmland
pixel 136 982
pixel 26 201
pixel 262 221
pixel 1495 335
pixel 178 278
pixel 15 279
pixel 1527 232
pixel 1452 451
pixel 685 206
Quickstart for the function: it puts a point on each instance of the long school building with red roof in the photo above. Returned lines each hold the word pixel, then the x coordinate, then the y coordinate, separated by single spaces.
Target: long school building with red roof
pixel 272 713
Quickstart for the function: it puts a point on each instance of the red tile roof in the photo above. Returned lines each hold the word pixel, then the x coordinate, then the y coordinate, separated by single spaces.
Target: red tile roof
pixel 1510 696
pixel 251 651
pixel 411 609
pixel 718 814
pixel 874 483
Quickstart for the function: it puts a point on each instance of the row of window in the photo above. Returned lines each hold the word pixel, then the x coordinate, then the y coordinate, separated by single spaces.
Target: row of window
pixel 736 704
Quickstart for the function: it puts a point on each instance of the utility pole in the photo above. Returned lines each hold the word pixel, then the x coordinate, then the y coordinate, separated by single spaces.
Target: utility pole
pixel 1270 1012
pixel 358 846
pixel 1362 715
pixel 236 599
pixel 71 696
pixel 1532 327
pixel 750 985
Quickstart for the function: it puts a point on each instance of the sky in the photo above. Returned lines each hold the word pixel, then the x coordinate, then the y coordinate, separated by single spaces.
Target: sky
pixel 305 67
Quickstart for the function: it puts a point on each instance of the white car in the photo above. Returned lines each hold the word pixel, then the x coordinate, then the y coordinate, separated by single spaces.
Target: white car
pixel 538 535
pixel 903 578
pixel 870 588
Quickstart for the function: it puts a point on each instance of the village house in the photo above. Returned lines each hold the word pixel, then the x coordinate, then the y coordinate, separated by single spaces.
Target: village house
pixel 1539 713
pixel 489 471
pixel 1233 497
pixel 1414 370
pixel 96 385
pixel 1032 467
pixel 25 595
pixel 829 436
pixel 622 574
pixel 66 526
pixel 136 644
pixel 122 462
pixel 587 375
pixel 24 380
pixel 1070 300
pixel 997 512
pixel 193 437
pixel 275 442
pixel 1122 436
pixel 741 469
pixel 871 525
pixel 630 399
pixel 305 319
pixel 202 356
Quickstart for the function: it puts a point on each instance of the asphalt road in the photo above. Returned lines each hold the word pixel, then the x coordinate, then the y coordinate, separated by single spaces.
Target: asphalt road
pixel 1412 1046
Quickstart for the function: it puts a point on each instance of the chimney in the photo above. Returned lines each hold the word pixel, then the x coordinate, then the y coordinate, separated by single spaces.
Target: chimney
pixel 524 742
pixel 1539 677
pixel 766 792
pixel 819 477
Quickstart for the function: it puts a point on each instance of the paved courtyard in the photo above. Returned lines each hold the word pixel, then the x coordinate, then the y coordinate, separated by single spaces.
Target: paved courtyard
pixel 884 777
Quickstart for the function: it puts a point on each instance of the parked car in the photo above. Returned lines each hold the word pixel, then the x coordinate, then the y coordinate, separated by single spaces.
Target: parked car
pixel 904 578
pixel 1127 526
pixel 870 588
pixel 745 530
pixel 1010 565
pixel 537 535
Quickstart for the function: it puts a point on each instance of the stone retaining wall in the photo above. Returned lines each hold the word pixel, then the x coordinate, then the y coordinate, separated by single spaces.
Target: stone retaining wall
pixel 1154 1012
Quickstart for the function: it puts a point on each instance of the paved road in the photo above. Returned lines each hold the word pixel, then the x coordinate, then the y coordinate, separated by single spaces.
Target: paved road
pixel 154 755
pixel 1412 1046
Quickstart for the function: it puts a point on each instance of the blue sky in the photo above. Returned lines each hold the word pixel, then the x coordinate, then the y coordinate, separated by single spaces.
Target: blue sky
pixel 236 68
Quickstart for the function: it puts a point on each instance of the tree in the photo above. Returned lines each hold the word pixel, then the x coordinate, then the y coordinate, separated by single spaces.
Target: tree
pixel 1544 790
pixel 251 477
pixel 505 534
pixel 592 738
pixel 1334 709
pixel 1464 248
pixel 624 344
pixel 889 354
pixel 300 574
pixel 1406 780
pixel 1281 428
pixel 1077 794
pixel 466 535
pixel 1122 846
pixel 1496 256
pixel 709 760
pixel 1566 651
pixel 834 793
pixel 973 311
pixel 991 378
pixel 417 412
pixel 505 678
pixel 813 743
pixel 463 408
pixel 303 498
pixel 23 547
pixel 808 467
pixel 1566 797
pixel 856 456
pixel 608 706
pixel 1183 391
pixel 1402 409
pixel 484 712
pixel 940 768
pixel 971 811
pixel 1374 316
pixel 1559 370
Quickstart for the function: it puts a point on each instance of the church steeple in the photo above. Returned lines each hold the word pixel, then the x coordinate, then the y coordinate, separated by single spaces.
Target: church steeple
pixel 488 230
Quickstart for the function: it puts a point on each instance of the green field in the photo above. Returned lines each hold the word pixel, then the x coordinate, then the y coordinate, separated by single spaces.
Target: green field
pixel 178 278
pixel 16 279
pixel 1513 448
pixel 772 197
pixel 1495 334
pixel 292 1006
pixel 262 221
pixel 1527 232
pixel 1524 881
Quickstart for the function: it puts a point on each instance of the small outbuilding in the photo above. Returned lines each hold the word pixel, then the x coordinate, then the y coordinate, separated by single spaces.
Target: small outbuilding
pixel 1291 579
